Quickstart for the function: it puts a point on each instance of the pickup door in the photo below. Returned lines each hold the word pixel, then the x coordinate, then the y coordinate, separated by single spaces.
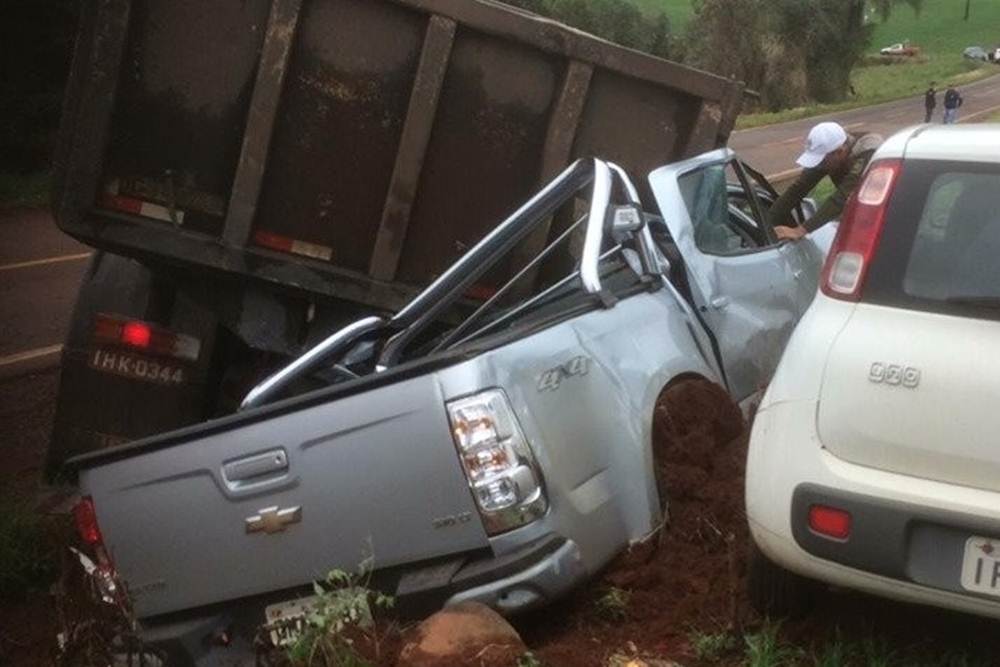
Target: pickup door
pixel 749 288
pixel 276 497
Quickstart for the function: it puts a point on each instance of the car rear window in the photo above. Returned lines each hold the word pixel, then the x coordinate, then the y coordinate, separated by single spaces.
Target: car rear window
pixel 940 247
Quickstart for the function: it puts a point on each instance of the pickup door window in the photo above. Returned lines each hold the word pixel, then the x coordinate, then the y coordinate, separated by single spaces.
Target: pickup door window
pixel 743 280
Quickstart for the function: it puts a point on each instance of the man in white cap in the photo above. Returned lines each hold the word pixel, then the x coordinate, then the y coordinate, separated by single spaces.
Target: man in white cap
pixel 830 151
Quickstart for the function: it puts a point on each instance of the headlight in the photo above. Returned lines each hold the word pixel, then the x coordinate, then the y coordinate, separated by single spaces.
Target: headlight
pixel 497 460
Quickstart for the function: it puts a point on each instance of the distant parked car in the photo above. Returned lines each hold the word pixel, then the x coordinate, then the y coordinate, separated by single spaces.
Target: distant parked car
pixel 903 49
pixel 976 53
pixel 873 461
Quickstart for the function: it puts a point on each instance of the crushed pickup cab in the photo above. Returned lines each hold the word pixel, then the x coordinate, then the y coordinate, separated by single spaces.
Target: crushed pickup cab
pixel 495 450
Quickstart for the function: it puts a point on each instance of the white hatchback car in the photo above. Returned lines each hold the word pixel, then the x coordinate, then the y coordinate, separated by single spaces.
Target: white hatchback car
pixel 874 460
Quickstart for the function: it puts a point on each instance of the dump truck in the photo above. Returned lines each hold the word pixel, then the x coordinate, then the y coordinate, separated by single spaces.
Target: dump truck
pixel 256 174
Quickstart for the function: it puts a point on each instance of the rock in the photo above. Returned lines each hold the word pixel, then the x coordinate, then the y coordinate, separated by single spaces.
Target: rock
pixel 468 633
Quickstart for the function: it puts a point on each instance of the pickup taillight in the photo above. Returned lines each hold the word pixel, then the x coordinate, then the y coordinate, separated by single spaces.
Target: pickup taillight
pixel 85 515
pixel 498 462
pixel 96 561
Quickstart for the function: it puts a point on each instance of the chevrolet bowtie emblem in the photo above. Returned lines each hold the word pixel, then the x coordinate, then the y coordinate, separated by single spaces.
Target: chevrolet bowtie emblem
pixel 273 520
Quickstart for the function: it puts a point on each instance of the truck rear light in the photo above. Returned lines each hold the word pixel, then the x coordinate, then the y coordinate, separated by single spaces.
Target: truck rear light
pixel 137 334
pixel 281 243
pixel 115 202
pixel 86 522
pixel 498 462
pixel 859 232
pixel 830 522
pixel 145 337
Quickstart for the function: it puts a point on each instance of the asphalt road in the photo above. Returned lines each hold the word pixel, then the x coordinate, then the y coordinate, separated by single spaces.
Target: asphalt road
pixel 772 150
pixel 40 271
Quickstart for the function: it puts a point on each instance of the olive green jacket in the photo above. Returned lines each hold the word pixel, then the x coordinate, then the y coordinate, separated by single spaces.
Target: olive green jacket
pixel 847 182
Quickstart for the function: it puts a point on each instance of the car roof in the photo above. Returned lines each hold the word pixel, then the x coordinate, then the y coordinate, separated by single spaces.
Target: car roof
pixel 960 143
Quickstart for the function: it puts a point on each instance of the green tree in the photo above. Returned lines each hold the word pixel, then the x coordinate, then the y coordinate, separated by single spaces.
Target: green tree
pixel 789 50
pixel 617 21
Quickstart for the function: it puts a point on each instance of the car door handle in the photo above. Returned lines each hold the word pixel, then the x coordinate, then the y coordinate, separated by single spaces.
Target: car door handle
pixel 720 302
pixel 255 466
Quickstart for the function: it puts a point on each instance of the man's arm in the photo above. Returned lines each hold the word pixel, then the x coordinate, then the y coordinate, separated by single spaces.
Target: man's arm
pixel 780 214
pixel 834 204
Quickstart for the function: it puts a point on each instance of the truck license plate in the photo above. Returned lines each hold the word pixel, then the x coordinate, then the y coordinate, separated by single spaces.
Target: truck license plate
pixel 285 621
pixel 981 566
pixel 136 367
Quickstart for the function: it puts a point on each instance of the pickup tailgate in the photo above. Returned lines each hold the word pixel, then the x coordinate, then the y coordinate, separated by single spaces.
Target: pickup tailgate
pixel 274 500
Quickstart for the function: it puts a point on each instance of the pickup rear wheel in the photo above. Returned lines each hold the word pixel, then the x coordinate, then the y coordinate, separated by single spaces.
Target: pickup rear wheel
pixel 693 417
pixel 773 590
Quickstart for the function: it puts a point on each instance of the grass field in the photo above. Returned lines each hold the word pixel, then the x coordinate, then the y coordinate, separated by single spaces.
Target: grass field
pixel 939 30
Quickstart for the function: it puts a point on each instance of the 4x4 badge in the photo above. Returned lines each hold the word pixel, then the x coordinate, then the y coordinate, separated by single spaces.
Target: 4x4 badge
pixel 551 379
pixel 893 375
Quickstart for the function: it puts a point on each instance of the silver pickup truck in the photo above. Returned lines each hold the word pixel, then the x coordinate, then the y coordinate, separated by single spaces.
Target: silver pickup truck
pixel 496 450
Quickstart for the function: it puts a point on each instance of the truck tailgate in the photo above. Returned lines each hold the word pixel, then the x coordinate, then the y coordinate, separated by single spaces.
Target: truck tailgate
pixel 269 503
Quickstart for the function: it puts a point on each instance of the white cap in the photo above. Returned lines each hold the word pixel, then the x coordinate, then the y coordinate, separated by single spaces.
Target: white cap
pixel 822 140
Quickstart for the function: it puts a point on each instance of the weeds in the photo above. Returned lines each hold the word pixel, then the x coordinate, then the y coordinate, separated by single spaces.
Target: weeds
pixel 876 652
pixel 27 554
pixel 529 660
pixel 836 653
pixel 613 604
pixel 765 648
pixel 342 613
pixel 709 647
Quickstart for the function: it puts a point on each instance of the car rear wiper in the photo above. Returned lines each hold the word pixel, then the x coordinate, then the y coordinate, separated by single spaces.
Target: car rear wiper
pixel 982 301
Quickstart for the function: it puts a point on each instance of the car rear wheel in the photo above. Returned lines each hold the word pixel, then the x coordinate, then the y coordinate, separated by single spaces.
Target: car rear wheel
pixel 773 590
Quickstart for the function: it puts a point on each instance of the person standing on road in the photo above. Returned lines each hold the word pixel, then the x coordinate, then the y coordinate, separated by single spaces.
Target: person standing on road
pixel 830 151
pixel 952 102
pixel 930 103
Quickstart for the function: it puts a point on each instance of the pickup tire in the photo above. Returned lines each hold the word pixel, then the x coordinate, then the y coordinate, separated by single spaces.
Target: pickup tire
pixel 773 590
pixel 693 417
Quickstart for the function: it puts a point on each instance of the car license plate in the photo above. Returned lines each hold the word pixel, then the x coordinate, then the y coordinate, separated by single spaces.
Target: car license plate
pixel 981 566
pixel 285 621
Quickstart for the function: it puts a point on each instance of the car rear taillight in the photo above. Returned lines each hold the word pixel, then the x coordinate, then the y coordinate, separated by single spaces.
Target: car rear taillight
pixel 830 522
pixel 144 337
pixel 86 522
pixel 860 229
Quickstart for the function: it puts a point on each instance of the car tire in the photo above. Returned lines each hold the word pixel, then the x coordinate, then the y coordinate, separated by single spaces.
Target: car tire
pixel 774 591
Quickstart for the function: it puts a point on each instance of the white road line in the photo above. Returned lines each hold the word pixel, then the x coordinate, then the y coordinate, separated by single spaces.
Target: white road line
pixel 38 353
pixel 979 114
pixel 47 260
